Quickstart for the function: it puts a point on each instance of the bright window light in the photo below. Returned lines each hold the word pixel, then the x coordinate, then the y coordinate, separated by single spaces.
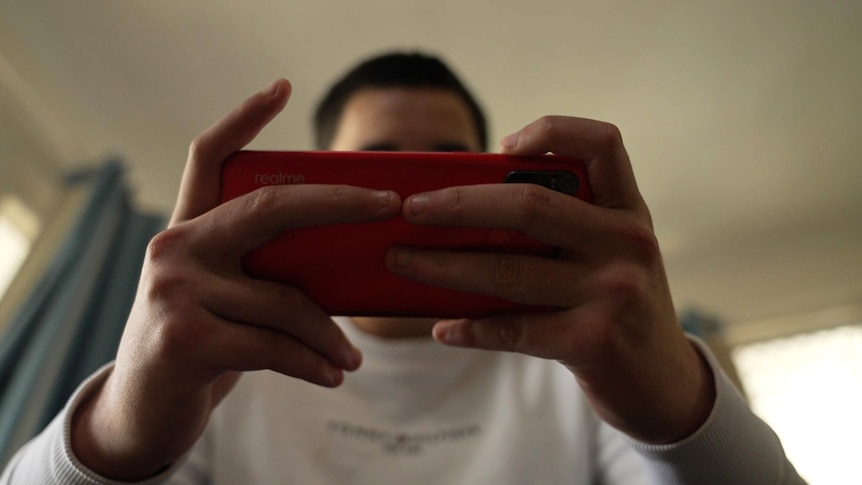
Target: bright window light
pixel 18 228
pixel 809 389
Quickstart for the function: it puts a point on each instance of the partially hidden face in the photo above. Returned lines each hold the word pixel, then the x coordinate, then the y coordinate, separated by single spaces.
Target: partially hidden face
pixel 406 119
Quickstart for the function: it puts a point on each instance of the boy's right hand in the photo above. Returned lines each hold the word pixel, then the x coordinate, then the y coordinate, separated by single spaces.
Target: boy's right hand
pixel 198 320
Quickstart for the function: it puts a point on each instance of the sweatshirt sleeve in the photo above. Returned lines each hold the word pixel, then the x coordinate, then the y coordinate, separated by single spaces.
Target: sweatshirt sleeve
pixel 732 446
pixel 47 459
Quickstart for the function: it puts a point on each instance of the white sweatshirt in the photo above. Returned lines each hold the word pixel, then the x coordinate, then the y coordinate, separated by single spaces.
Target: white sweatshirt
pixel 420 412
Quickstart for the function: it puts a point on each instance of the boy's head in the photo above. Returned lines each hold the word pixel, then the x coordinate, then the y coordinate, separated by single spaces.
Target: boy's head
pixel 400 101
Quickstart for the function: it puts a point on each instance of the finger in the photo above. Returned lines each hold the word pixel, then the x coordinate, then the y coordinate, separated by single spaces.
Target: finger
pixel 248 222
pixel 234 347
pixel 598 144
pixel 199 190
pixel 524 279
pixel 551 335
pixel 536 211
pixel 286 310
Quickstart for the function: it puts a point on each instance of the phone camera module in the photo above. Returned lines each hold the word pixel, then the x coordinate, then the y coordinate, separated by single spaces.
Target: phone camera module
pixel 565 182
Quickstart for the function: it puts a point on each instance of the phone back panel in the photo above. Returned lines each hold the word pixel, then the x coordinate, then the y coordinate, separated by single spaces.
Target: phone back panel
pixel 341 267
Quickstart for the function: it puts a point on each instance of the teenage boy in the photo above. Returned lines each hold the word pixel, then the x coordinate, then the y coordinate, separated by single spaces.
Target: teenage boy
pixel 607 389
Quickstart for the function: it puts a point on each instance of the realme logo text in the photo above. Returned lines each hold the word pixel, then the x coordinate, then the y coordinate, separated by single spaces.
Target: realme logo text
pixel 278 179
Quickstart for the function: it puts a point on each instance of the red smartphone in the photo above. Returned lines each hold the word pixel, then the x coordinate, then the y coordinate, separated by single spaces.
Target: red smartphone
pixel 341 267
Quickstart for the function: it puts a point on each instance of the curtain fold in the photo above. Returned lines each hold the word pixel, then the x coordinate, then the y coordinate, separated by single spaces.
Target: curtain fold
pixel 72 321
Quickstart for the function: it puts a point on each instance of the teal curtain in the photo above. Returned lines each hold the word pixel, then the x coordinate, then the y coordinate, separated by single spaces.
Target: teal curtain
pixel 71 323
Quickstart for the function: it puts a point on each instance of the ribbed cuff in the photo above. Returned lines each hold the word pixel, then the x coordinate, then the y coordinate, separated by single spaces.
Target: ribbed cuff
pixel 733 446
pixel 48 458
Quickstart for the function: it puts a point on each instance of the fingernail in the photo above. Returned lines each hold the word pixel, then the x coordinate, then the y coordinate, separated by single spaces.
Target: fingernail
pixel 383 197
pixel 450 332
pixel 418 204
pixel 334 377
pixel 272 89
pixel 509 141
pixel 403 257
pixel 352 357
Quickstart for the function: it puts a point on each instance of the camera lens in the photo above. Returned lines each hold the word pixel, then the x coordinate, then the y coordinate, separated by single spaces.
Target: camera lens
pixel 568 183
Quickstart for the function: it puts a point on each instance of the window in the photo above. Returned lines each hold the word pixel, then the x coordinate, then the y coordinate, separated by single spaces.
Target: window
pixel 19 227
pixel 809 389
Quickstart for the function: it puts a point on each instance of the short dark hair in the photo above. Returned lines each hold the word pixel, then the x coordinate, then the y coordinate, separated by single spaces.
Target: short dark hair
pixel 393 70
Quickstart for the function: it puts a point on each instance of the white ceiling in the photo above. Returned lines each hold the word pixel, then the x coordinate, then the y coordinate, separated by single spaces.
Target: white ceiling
pixel 743 119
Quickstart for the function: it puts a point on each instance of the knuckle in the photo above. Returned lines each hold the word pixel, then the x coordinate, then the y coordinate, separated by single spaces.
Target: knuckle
pixel 532 201
pixel 264 200
pixel 170 288
pixel 512 333
pixel 547 125
pixel 339 193
pixel 197 147
pixel 455 200
pixel 172 335
pixel 600 337
pixel 438 264
pixel 642 243
pixel 174 328
pixel 624 286
pixel 168 291
pixel 176 335
pixel 164 244
pixel 506 270
pixel 610 136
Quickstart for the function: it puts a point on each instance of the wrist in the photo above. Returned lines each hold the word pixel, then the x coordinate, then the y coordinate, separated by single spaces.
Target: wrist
pixel 100 442
pixel 653 399
pixel 695 403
